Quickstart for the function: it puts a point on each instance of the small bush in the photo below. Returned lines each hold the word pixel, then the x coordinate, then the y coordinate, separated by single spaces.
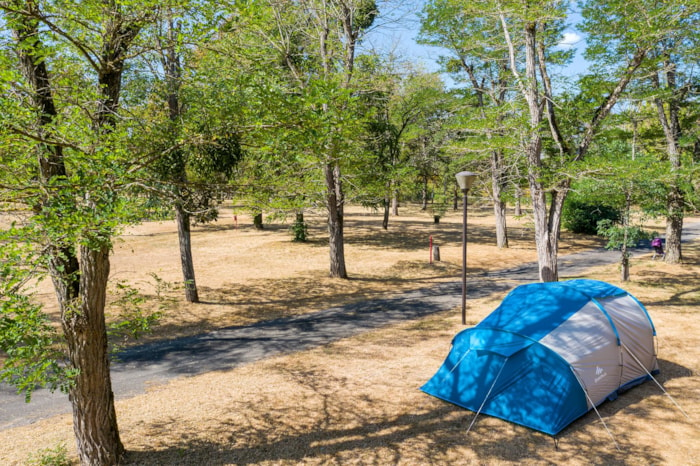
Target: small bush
pixel 300 231
pixel 580 216
pixel 57 456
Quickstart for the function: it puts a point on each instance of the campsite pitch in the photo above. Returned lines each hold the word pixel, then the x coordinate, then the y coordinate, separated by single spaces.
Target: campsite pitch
pixel 357 401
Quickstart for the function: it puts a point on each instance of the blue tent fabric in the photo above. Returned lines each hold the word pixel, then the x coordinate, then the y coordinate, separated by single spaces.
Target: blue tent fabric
pixel 537 308
pixel 528 361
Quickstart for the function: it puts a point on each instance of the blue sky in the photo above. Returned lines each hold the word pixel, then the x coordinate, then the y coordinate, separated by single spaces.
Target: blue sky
pixel 399 26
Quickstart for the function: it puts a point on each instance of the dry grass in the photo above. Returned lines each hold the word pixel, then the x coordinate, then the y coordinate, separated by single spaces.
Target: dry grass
pixel 357 401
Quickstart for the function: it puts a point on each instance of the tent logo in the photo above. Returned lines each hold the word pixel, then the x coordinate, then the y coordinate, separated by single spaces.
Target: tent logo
pixel 600 374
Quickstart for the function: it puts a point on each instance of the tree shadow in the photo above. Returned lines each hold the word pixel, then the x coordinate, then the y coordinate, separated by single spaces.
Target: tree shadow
pixel 231 347
pixel 335 433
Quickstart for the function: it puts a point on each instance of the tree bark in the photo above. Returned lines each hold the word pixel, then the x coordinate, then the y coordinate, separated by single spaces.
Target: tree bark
pixel 185 242
pixel 625 262
pixel 424 194
pixel 546 224
pixel 299 228
pixel 499 210
pixel 518 209
pixel 395 204
pixel 94 417
pixel 674 226
pixel 385 219
pixel 545 239
pixel 334 203
pixel 625 256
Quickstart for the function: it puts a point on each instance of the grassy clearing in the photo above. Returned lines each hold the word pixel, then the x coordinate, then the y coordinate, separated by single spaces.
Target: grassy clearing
pixel 357 401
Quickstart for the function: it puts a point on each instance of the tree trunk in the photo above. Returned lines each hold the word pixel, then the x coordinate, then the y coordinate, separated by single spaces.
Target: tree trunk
pixel 424 194
pixel 299 228
pixel 546 240
pixel 625 258
pixel 334 203
pixel 672 132
pixel 385 219
pixel 546 226
pixel 258 221
pixel 499 209
pixel 184 237
pixel 94 417
pixel 674 226
pixel 624 263
pixel 171 61
pixel 499 206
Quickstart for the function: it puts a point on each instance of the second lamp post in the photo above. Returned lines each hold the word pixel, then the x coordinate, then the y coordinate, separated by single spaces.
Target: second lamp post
pixel 465 180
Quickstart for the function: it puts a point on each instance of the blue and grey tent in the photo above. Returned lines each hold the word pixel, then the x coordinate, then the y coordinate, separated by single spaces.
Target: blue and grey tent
pixel 549 353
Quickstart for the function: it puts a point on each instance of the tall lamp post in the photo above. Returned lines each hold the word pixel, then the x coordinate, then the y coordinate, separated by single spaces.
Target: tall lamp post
pixel 465 180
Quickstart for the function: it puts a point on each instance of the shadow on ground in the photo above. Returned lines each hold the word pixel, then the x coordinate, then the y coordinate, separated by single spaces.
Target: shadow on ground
pixel 410 438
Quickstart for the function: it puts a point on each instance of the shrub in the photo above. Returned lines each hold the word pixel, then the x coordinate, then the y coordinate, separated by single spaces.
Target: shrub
pixel 57 456
pixel 580 216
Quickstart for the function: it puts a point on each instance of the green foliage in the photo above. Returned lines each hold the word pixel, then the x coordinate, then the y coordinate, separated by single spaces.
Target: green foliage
pixel 582 216
pixel 30 344
pixel 300 231
pixel 57 456
pixel 619 235
pixel 365 14
pixel 440 203
pixel 28 340
pixel 134 314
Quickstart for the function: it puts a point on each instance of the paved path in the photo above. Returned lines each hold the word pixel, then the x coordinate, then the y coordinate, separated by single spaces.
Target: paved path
pixel 231 347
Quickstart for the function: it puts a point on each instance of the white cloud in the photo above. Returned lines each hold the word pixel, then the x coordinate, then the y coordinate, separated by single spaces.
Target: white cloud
pixel 569 40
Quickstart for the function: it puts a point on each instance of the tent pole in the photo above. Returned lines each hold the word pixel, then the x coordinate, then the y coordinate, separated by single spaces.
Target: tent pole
pixel 656 381
pixel 487 395
pixel 456 364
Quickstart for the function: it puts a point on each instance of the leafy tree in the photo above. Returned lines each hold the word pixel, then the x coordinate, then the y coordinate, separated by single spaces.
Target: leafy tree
pixel 618 179
pixel 198 151
pixel 66 168
pixel 478 61
pixel 622 238
pixel 671 72
pixel 309 51
pixel 560 128
pixel 405 103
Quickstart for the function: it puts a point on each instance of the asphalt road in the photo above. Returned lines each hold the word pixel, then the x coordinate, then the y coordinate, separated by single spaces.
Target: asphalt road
pixel 227 348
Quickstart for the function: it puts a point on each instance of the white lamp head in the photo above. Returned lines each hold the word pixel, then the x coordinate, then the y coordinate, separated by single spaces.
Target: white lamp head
pixel 465 180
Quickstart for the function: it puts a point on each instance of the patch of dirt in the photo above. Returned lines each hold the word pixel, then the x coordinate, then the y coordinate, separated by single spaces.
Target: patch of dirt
pixel 357 401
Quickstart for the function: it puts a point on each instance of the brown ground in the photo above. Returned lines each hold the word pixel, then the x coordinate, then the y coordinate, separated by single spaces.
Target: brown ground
pixel 357 401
